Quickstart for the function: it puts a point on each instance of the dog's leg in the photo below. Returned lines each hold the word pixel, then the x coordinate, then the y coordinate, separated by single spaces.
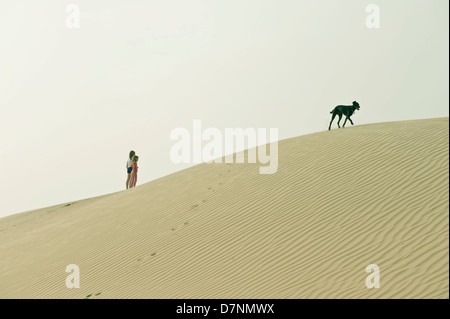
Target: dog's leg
pixel 332 118
pixel 343 125
pixel 340 116
pixel 350 120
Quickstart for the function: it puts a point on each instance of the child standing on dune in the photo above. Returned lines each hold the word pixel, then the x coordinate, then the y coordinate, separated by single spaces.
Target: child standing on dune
pixel 134 171
pixel 129 168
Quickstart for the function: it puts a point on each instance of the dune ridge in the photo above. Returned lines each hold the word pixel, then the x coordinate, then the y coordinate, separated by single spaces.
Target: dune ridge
pixel 341 200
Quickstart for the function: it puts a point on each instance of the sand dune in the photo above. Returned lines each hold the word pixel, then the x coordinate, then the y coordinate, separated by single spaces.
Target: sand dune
pixel 341 200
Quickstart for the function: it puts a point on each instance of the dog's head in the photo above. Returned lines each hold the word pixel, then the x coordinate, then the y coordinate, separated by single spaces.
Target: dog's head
pixel 356 105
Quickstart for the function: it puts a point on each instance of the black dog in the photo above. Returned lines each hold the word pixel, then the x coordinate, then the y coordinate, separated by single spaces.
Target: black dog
pixel 346 110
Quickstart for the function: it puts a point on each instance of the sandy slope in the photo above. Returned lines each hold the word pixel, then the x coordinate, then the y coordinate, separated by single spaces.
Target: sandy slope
pixel 340 200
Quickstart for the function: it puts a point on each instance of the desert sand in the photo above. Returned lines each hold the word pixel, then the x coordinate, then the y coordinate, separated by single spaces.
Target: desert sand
pixel 341 200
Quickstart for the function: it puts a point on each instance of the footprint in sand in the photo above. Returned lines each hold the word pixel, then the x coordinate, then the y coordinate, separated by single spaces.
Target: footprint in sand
pixel 90 295
pixel 143 259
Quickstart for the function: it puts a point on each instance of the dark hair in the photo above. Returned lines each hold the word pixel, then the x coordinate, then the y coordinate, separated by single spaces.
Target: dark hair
pixel 132 154
pixel 135 158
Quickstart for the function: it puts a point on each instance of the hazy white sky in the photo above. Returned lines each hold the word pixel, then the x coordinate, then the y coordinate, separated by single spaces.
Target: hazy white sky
pixel 74 102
